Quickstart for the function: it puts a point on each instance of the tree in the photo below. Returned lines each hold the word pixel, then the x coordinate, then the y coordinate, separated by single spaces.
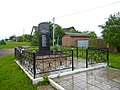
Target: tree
pixel 20 38
pixel 27 37
pixel 92 34
pixel 73 31
pixel 58 33
pixel 13 38
pixel 35 38
pixel 111 31
pixel 51 29
pixel 85 32
pixel 24 38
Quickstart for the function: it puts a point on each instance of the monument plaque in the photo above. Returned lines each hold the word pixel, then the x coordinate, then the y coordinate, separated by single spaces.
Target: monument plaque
pixel 44 41
pixel 44 37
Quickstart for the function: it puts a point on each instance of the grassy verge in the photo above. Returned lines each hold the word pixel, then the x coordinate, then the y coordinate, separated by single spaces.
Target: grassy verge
pixel 114 59
pixel 14 44
pixel 11 77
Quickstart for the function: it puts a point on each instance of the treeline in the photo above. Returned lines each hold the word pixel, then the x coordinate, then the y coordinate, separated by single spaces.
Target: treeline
pixel 59 32
pixel 23 38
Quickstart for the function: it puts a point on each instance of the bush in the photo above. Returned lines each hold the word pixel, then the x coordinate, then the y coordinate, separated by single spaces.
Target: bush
pixel 2 42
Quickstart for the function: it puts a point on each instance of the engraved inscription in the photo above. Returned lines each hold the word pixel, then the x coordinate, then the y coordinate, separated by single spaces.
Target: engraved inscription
pixel 44 40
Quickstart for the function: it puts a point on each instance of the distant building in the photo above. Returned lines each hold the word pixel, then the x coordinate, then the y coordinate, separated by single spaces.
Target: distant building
pixel 99 42
pixel 70 29
pixel 70 39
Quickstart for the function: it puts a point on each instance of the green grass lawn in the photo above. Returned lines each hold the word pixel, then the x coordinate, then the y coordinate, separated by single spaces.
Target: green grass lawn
pixel 11 44
pixel 12 77
pixel 114 59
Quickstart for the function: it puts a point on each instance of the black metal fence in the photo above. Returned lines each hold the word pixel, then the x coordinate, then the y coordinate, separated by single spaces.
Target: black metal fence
pixel 38 63
pixel 93 55
pixel 80 52
pixel 97 55
pixel 59 60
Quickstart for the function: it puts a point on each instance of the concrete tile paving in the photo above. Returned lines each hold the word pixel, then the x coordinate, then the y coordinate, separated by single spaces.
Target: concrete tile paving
pixel 98 79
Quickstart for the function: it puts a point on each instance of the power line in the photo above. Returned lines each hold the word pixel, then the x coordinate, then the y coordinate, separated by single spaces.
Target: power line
pixel 87 10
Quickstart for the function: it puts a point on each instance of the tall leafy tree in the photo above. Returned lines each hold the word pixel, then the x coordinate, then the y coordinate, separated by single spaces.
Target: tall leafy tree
pixel 58 32
pixel 111 30
pixel 35 38
pixel 51 29
pixel 73 30
pixel 85 32
pixel 20 38
pixel 92 34
pixel 13 38
pixel 27 37
pixel 24 38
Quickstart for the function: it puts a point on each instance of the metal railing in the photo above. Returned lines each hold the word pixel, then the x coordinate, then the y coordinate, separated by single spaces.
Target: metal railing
pixel 80 52
pixel 37 63
pixel 97 55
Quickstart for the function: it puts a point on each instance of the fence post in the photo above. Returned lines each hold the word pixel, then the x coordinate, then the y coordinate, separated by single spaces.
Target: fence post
pixel 15 52
pixel 82 51
pixel 34 69
pixel 21 57
pixel 107 56
pixel 77 52
pixel 87 58
pixel 72 61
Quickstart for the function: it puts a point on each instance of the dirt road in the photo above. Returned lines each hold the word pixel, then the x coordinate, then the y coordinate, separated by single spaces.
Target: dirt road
pixel 6 51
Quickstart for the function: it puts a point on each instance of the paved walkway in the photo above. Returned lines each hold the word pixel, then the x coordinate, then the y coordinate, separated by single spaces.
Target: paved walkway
pixel 98 79
pixel 6 51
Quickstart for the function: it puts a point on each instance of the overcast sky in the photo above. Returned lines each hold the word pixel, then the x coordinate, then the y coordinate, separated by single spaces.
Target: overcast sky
pixel 19 16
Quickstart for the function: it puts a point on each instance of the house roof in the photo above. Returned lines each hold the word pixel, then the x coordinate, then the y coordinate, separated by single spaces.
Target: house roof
pixel 69 28
pixel 77 34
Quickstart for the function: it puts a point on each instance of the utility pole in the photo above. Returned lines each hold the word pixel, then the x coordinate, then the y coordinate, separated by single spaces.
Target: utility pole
pixel 15 37
pixel 53 30
pixel 23 35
